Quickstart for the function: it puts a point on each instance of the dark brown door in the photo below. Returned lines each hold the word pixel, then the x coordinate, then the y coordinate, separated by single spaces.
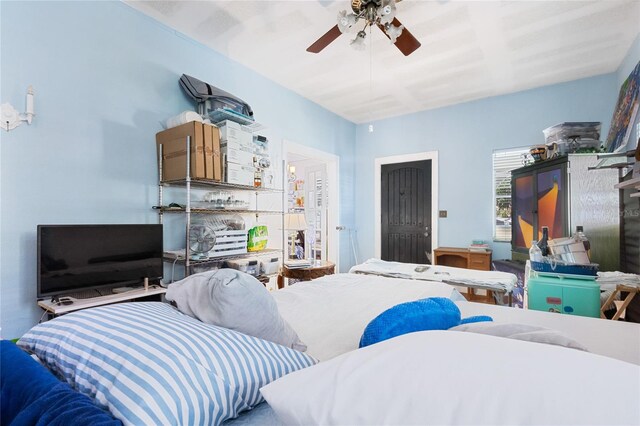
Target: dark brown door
pixel 406 212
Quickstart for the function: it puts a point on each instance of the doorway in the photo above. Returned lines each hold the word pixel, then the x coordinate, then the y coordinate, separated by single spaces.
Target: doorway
pixel 406 207
pixel 311 178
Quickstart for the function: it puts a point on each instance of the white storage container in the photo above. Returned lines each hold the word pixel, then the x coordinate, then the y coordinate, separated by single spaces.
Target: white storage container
pixel 269 266
pixel 237 156
pixel 229 129
pixel 240 175
pixel 250 266
pixel 232 132
pixel 238 144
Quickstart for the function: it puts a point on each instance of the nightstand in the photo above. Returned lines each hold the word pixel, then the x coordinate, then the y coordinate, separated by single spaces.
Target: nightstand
pixel 319 269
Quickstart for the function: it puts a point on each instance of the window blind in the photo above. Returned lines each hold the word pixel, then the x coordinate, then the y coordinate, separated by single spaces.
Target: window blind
pixel 503 162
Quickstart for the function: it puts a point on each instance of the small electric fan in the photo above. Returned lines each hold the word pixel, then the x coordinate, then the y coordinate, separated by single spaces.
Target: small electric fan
pixel 201 240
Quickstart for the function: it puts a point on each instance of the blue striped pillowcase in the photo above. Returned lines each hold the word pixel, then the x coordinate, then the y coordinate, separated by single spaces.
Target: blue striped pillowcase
pixel 148 363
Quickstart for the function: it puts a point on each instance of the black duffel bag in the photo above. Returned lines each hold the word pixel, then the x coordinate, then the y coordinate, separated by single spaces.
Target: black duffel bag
pixel 202 92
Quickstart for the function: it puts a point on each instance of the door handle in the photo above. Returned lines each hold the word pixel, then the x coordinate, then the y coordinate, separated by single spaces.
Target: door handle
pixel 426 231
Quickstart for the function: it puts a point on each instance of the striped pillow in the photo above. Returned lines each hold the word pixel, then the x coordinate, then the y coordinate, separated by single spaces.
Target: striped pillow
pixel 147 363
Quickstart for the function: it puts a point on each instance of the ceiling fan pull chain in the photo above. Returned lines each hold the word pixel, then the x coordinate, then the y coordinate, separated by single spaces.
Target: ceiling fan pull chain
pixel 370 77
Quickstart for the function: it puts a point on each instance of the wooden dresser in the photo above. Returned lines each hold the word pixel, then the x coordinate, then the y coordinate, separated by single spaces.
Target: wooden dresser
pixel 462 258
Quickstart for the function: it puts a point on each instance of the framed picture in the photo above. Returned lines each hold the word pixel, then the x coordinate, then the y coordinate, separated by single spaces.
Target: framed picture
pixel 625 113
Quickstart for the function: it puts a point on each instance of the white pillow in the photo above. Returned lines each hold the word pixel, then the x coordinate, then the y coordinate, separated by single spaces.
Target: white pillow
pixel 529 333
pixel 232 299
pixel 445 378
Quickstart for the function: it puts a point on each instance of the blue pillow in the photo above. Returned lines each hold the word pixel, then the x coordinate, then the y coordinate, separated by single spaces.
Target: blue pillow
pixel 150 364
pixel 434 313
pixel 31 395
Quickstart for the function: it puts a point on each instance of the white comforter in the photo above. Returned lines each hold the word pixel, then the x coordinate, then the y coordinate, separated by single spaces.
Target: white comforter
pixel 330 313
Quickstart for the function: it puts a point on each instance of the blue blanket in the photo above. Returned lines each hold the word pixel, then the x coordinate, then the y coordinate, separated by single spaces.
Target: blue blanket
pixel 433 313
pixel 31 395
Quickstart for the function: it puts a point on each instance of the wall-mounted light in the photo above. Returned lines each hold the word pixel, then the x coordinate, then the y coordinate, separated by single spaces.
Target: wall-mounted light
pixel 10 118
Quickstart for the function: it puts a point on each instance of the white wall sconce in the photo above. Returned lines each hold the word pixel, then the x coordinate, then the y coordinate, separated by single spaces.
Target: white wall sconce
pixel 10 118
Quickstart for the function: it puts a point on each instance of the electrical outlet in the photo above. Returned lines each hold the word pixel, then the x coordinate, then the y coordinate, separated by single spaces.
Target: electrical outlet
pixel 442 213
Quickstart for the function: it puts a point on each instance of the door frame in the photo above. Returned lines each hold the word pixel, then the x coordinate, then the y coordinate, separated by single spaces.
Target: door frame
pixel 332 163
pixel 406 158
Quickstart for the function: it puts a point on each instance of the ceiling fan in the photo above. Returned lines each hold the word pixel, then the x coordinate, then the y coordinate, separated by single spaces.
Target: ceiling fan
pixel 380 13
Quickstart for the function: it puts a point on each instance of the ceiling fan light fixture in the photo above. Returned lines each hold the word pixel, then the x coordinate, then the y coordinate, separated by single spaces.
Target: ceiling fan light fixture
pixel 387 11
pixel 373 13
pixel 394 32
pixel 358 42
pixel 346 21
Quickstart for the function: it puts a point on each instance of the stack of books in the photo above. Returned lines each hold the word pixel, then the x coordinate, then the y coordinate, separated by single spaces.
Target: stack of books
pixel 478 245
pixel 297 264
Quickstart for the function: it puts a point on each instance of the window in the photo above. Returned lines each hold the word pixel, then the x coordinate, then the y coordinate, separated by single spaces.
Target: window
pixel 503 162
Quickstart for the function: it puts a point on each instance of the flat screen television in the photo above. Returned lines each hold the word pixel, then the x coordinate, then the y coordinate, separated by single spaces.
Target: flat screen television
pixel 74 258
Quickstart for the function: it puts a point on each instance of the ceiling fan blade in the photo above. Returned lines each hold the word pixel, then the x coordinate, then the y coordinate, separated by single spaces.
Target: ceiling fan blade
pixel 407 43
pixel 325 40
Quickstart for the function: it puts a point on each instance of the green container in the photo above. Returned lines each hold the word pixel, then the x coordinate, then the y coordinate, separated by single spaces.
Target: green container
pixel 562 295
pixel 257 238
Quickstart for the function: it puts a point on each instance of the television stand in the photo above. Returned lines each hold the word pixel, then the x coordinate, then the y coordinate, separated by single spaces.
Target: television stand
pixel 60 307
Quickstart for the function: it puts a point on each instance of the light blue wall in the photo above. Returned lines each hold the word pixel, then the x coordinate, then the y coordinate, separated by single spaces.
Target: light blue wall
pixel 105 76
pixel 465 136
pixel 629 62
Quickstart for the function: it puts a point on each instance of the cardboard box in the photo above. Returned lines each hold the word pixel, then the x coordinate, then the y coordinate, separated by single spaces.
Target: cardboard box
pixel 208 150
pixel 237 156
pixel 240 175
pixel 213 166
pixel 217 154
pixel 232 132
pixel 174 151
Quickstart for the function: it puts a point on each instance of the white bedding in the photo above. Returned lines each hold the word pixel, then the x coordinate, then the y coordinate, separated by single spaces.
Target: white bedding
pixel 615 339
pixel 329 314
pixel 426 378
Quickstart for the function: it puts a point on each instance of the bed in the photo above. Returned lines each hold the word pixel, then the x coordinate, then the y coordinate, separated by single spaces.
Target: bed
pixel 499 283
pixel 329 315
pixel 349 301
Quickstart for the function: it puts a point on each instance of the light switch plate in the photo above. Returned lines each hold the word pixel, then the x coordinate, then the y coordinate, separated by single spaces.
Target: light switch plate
pixel 442 213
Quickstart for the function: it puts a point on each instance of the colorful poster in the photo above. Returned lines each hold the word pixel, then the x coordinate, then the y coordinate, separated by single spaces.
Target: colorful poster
pixel 625 113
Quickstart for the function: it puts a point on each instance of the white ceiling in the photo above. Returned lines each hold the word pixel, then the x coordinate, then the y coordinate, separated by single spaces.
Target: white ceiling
pixel 470 49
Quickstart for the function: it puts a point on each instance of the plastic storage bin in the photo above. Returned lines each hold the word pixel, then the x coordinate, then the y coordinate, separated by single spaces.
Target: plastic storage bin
pixel 250 266
pixel 572 130
pixel 564 295
pixel 559 269
pixel 270 266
